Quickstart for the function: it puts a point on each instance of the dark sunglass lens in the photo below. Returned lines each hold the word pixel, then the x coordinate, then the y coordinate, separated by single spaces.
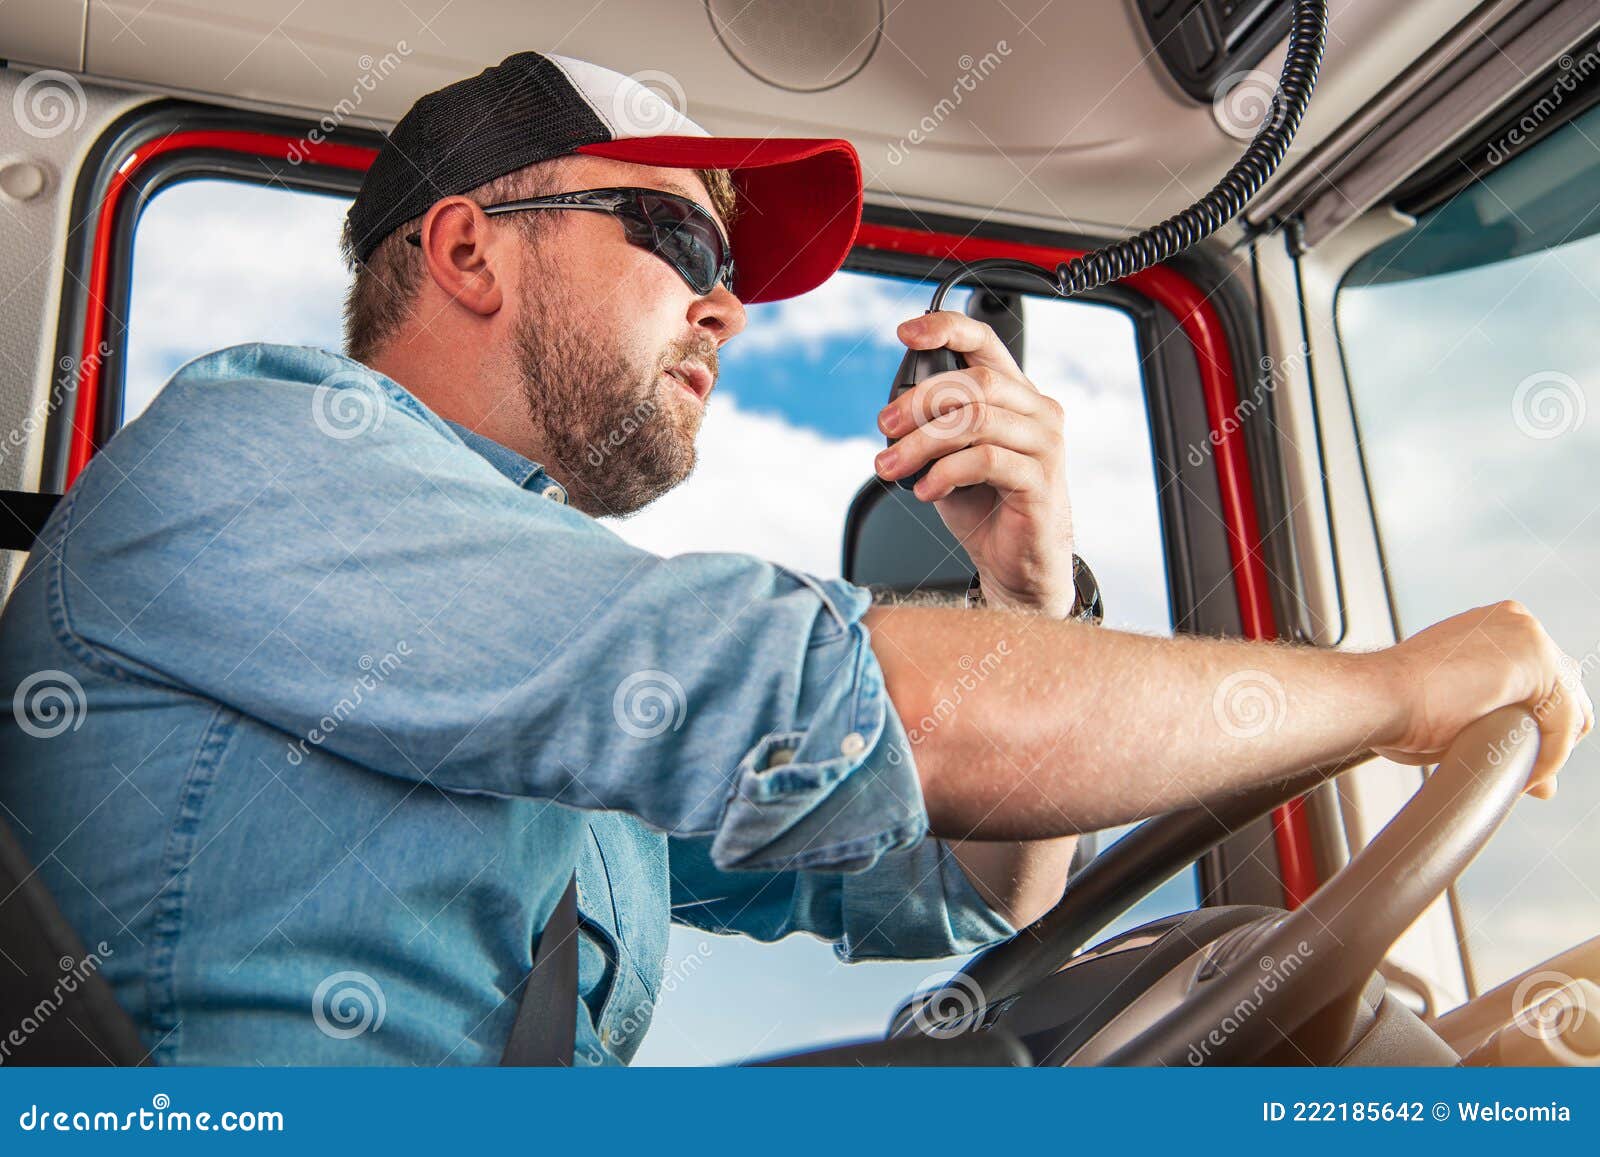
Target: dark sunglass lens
pixel 688 239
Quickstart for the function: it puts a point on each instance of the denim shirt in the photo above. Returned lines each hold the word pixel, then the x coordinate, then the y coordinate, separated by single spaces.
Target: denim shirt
pixel 319 701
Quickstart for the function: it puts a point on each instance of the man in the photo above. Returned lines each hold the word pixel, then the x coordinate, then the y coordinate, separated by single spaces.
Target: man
pixel 358 683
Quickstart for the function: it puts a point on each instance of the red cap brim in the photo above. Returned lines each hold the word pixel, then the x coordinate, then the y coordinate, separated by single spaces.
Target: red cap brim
pixel 800 202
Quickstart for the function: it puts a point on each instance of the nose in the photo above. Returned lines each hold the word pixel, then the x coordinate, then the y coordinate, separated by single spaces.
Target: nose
pixel 719 314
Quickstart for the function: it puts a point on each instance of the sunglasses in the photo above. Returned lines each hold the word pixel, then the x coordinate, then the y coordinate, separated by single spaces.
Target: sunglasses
pixel 674 228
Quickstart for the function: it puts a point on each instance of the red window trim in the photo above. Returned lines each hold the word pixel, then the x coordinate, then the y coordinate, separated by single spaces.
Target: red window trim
pixel 86 405
pixel 1198 318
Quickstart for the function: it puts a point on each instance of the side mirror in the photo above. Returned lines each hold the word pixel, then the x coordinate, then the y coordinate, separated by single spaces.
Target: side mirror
pixel 893 540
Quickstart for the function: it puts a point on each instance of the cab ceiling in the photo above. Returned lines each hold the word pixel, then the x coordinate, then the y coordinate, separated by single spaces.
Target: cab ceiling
pixel 1052 110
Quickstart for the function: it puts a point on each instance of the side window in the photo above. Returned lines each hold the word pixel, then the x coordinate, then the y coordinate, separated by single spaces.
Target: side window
pixel 789 437
pixel 1474 361
pixel 217 263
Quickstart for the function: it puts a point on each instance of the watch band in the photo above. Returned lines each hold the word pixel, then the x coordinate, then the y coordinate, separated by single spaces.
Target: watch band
pixel 975 592
pixel 1087 605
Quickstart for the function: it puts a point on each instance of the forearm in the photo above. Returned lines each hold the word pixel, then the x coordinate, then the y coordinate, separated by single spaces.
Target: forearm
pixel 1019 879
pixel 1025 728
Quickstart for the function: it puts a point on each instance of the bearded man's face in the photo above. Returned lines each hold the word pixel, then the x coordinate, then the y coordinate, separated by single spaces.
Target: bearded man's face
pixel 612 410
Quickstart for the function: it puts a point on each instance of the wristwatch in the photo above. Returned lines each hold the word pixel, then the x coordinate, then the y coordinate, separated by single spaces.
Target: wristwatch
pixel 1087 606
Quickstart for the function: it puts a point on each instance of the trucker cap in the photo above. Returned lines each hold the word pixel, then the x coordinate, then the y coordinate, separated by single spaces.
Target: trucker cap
pixel 799 199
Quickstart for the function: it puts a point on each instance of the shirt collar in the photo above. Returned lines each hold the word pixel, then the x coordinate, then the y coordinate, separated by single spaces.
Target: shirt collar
pixel 523 471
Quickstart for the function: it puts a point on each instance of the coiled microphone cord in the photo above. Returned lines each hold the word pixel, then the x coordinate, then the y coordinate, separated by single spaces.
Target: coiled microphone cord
pixel 1308 33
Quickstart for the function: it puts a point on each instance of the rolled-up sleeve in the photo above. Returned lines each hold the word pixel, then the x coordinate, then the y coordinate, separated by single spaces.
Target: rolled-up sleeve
pixel 394 600
pixel 841 789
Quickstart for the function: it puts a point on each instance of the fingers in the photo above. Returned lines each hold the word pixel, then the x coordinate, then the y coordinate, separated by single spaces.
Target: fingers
pixel 1467 665
pixel 1560 726
pixel 1565 716
pixel 979 424
pixel 961 333
pixel 1572 678
pixel 965 408
pixel 1006 470
pixel 943 393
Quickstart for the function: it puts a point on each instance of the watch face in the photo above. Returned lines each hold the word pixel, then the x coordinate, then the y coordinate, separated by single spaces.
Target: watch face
pixel 975 592
pixel 1090 609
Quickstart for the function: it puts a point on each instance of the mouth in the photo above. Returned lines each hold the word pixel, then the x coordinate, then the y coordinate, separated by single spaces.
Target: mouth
pixel 694 378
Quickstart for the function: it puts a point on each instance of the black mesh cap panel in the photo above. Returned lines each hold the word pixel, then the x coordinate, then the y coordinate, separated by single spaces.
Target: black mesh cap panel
pixel 519 112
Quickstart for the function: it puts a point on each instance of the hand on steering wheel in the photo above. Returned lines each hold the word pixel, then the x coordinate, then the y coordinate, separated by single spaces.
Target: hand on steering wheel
pixel 1459 670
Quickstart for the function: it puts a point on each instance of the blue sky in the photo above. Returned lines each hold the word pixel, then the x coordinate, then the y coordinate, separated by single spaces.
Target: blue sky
pixel 220 263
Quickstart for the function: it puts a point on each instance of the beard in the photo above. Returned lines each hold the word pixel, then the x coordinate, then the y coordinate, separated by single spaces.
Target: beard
pixel 619 433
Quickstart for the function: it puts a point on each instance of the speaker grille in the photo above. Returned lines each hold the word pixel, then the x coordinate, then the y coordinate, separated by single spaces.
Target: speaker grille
pixel 799 47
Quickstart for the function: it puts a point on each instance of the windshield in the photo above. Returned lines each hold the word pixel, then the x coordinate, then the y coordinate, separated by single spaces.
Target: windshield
pixel 1473 356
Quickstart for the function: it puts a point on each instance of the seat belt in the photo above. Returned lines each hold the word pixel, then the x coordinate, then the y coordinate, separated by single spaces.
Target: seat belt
pixel 22 515
pixel 547 1019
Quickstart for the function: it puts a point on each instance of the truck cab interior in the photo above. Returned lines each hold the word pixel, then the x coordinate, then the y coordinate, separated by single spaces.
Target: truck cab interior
pixel 1356 407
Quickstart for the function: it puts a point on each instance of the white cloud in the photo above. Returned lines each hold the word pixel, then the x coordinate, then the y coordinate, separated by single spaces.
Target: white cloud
pixel 856 308
pixel 768 487
pixel 762 486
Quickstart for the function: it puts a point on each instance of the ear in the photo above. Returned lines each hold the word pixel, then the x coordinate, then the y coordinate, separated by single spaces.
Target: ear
pixel 456 249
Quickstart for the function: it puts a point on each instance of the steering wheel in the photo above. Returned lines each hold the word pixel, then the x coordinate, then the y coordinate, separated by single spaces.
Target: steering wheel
pixel 1286 967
